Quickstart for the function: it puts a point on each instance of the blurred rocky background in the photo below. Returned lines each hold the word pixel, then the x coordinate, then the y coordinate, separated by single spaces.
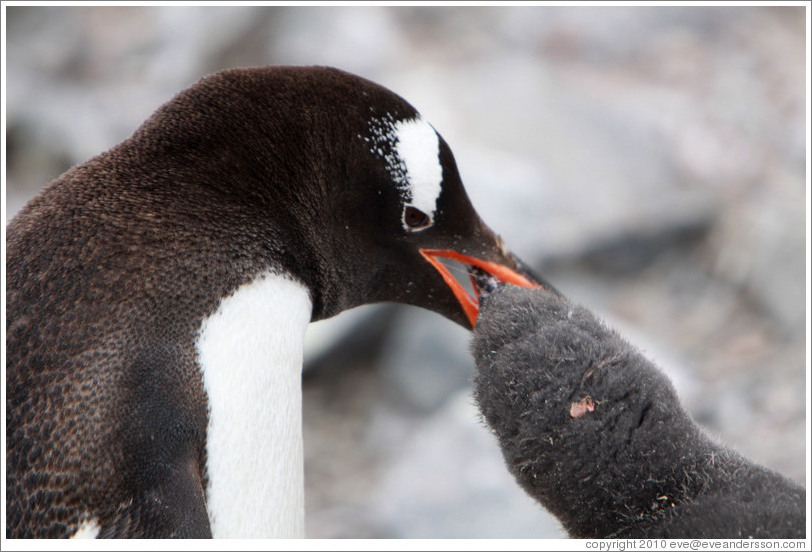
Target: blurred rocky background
pixel 648 161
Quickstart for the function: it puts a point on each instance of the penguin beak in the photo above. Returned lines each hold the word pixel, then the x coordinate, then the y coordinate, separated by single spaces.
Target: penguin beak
pixel 483 274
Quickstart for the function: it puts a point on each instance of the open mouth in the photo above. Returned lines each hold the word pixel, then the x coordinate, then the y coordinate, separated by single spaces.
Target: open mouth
pixel 484 276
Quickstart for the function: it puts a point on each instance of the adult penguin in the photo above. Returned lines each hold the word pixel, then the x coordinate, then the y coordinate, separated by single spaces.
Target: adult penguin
pixel 157 298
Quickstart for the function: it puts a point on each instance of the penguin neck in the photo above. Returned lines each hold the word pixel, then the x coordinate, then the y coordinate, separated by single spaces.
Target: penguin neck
pixel 250 353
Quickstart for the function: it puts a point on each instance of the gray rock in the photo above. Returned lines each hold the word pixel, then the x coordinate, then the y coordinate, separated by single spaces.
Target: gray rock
pixel 425 360
pixel 449 480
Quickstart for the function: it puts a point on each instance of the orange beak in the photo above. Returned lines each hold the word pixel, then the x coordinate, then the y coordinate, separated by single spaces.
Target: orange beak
pixel 469 303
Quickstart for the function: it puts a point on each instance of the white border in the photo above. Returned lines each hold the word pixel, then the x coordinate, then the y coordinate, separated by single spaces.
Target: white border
pixel 382 544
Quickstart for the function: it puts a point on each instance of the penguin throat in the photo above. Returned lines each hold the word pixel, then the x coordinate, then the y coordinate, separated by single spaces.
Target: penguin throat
pixel 250 353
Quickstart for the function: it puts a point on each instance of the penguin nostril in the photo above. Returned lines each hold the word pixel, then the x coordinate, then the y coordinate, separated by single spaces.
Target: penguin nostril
pixel 415 219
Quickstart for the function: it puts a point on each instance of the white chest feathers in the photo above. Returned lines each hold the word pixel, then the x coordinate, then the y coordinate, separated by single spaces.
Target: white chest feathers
pixel 250 351
pixel 88 529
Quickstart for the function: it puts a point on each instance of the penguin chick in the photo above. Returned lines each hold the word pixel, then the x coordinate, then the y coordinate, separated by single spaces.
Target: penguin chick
pixel 595 432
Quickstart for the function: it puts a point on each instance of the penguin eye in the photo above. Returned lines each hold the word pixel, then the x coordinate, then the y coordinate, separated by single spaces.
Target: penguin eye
pixel 415 219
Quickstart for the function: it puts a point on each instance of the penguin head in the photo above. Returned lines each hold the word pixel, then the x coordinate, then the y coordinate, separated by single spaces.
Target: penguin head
pixel 421 235
pixel 338 181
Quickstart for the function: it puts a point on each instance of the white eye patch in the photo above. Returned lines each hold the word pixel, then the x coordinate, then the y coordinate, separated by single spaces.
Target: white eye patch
pixel 411 149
